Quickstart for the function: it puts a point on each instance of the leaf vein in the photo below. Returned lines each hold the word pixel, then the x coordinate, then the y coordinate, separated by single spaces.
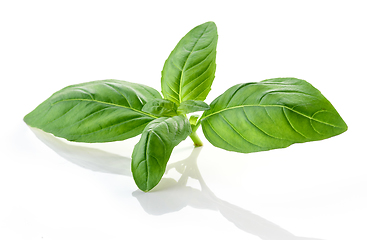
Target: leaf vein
pixel 62 114
pixel 211 126
pixel 110 126
pixel 192 90
pixel 226 120
pixel 290 123
pixel 285 92
pixel 85 91
pixel 201 74
pixel 111 86
pixel 181 78
pixel 206 46
pixel 173 63
pixel 240 106
pixel 106 103
pixel 267 134
pixel 200 61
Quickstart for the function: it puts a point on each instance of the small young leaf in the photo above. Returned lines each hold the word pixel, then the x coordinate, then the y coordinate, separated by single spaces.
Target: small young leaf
pixel 160 108
pixel 194 119
pixel 152 152
pixel 190 106
pixel 271 114
pixel 188 73
pixel 97 111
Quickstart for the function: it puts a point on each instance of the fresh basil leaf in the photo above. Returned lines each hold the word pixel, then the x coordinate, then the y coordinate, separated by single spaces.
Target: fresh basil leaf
pixel 97 111
pixel 190 106
pixel 160 108
pixel 193 119
pixel 152 152
pixel 188 73
pixel 194 126
pixel 271 114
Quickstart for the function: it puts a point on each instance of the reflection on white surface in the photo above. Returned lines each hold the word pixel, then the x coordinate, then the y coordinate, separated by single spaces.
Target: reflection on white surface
pixel 91 158
pixel 170 195
pixel 173 196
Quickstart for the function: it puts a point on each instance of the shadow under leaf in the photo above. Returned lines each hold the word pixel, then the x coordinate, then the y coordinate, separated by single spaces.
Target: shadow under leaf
pixel 170 195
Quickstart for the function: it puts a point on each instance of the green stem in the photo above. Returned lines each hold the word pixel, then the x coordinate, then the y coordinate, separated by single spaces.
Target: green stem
pixel 194 126
pixel 195 138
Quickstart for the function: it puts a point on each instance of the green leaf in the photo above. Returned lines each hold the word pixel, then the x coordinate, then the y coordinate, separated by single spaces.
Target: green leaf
pixel 97 111
pixel 188 73
pixel 160 108
pixel 271 114
pixel 152 152
pixel 190 106
pixel 194 119
pixel 194 122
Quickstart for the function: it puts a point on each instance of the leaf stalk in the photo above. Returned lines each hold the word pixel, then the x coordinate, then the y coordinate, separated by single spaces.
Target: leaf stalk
pixel 195 138
pixel 194 126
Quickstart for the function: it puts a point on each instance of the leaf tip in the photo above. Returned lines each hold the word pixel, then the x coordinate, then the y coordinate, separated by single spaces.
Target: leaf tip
pixel 144 187
pixel 345 126
pixel 27 119
pixel 210 25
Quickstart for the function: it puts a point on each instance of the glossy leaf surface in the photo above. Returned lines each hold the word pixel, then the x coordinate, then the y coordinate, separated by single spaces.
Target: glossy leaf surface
pixel 271 114
pixel 160 108
pixel 152 152
pixel 98 111
pixel 188 73
pixel 191 106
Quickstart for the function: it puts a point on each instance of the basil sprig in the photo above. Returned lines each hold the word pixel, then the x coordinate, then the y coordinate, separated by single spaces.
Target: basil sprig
pixel 249 117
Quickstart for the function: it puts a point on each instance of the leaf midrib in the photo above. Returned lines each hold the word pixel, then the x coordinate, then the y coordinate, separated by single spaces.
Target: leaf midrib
pixel 106 103
pixel 280 106
pixel 183 68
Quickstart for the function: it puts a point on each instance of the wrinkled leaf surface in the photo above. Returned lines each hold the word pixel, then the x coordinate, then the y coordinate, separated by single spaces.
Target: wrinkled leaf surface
pixel 271 114
pixel 188 73
pixel 152 152
pixel 97 111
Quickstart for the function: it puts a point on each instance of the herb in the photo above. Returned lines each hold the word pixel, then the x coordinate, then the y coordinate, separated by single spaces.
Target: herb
pixel 250 117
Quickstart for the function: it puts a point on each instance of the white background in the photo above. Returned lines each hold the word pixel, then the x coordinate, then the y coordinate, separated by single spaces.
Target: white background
pixel 53 190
